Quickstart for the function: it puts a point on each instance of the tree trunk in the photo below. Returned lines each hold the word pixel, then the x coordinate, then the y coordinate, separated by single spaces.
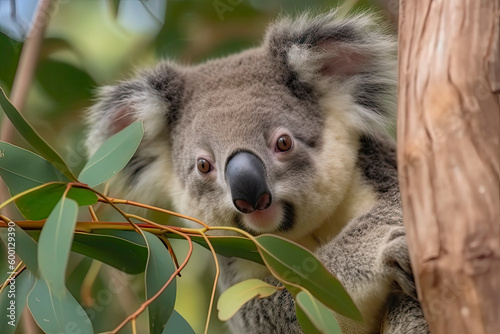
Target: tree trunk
pixel 449 165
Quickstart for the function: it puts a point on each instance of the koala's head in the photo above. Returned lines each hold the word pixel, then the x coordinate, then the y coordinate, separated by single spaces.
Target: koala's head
pixel 265 140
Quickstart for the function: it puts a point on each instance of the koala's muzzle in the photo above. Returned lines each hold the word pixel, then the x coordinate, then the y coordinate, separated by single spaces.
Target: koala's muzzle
pixel 246 177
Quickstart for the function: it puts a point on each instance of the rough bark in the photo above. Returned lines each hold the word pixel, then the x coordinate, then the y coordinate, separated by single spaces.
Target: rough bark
pixel 448 153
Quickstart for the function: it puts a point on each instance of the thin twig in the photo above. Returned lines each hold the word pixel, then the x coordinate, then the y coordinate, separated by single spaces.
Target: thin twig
pixel 154 208
pixel 14 273
pixel 149 301
pixel 110 202
pixel 217 272
pixel 88 283
pixel 170 250
pixel 92 214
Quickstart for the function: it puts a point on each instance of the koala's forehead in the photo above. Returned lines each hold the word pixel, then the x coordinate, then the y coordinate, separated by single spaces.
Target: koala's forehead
pixel 244 96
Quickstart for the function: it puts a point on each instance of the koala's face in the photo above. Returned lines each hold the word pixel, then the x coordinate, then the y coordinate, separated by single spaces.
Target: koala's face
pixel 248 146
pixel 265 140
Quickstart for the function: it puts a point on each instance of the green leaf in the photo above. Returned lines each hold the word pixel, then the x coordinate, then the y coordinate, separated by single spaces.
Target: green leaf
pixel 57 312
pixel 313 316
pixel 296 265
pixel 55 242
pixel 304 322
pixel 236 296
pixel 38 204
pixel 64 82
pixel 122 254
pixel 4 263
pixel 112 156
pixel 177 324
pixel 12 302
pixel 25 246
pixel 125 255
pixel 9 58
pixel 159 268
pixel 229 246
pixel 22 170
pixel 33 138
pixel 131 236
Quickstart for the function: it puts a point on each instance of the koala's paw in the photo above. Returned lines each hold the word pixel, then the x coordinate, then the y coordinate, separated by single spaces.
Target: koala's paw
pixel 396 260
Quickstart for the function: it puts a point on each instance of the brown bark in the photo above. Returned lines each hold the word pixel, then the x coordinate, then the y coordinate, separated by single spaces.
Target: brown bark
pixel 449 148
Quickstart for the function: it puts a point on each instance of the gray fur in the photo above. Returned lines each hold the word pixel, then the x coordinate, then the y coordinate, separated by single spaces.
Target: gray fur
pixel 328 82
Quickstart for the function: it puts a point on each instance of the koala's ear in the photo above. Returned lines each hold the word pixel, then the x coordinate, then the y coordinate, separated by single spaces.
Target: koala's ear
pixel 153 98
pixel 332 55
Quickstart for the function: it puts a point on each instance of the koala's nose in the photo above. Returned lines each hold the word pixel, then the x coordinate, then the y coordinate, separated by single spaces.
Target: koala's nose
pixel 246 177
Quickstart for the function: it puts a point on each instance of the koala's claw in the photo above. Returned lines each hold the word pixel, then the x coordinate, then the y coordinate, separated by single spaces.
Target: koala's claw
pixel 396 259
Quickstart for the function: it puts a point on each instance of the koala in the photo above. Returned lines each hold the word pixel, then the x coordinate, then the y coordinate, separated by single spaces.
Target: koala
pixel 285 138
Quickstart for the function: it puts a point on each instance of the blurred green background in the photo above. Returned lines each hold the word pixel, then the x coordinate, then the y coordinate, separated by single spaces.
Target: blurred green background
pixel 89 43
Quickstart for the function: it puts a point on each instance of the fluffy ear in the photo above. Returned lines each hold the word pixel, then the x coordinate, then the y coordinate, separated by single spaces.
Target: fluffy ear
pixel 341 58
pixel 154 98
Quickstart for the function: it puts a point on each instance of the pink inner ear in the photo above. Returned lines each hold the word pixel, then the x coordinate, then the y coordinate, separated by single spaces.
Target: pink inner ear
pixel 121 119
pixel 345 61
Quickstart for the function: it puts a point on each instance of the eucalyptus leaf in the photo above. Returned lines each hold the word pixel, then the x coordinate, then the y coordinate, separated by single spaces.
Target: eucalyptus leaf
pixel 65 83
pixel 57 312
pixel 25 246
pixel 131 236
pixel 122 254
pixel 13 301
pixel 237 295
pixel 316 315
pixel 39 204
pixel 22 170
pixel 112 155
pixel 296 265
pixel 177 324
pixel 159 268
pixel 118 252
pixel 4 261
pixel 304 321
pixel 229 246
pixel 54 244
pixel 32 137
pixel 9 58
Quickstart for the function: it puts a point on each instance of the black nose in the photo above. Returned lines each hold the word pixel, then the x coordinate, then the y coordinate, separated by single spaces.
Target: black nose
pixel 246 177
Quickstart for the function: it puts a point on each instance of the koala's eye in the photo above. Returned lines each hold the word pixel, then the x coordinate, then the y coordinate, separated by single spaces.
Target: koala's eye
pixel 204 166
pixel 284 143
